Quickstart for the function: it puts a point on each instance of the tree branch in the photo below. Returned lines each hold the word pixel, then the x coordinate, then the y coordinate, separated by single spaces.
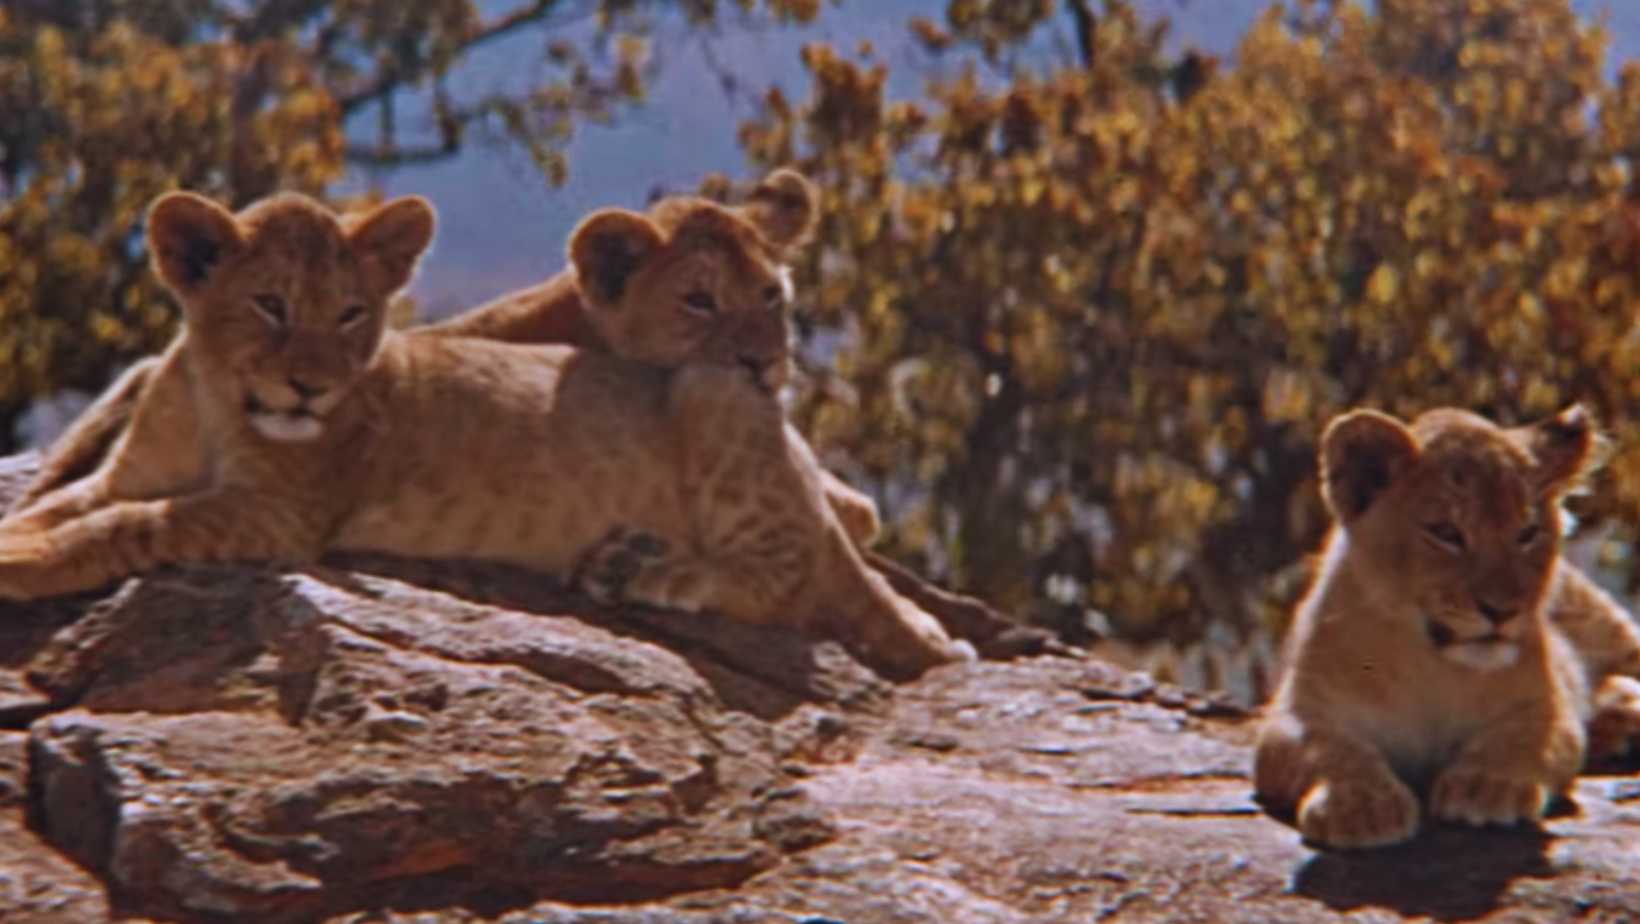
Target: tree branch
pixel 391 77
pixel 272 17
pixel 1082 13
pixel 395 156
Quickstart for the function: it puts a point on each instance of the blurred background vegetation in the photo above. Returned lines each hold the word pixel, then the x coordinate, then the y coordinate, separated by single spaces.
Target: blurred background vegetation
pixel 1083 297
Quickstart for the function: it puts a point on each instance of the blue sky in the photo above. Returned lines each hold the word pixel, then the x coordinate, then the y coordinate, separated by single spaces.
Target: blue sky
pixel 503 227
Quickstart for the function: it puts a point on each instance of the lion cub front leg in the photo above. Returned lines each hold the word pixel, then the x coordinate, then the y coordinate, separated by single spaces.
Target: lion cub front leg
pixel 88 440
pixel 764 546
pixel 1507 774
pixel 751 535
pixel 1607 642
pixel 1342 792
pixel 853 508
pixel 127 537
pixel 742 580
pixel 1615 727
pixel 739 579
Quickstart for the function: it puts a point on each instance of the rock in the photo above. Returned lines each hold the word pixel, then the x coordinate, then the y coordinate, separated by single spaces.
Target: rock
pixel 273 747
pixel 38 885
pixel 346 744
pixel 1052 790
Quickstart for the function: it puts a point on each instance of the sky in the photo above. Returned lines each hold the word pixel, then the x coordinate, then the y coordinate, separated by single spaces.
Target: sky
pixel 502 226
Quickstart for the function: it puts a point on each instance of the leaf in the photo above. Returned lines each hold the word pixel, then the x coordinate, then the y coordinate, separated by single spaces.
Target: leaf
pixel 1383 284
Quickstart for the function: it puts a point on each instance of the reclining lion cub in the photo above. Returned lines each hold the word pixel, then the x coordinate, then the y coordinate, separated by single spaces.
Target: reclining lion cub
pixel 1425 658
pixel 682 302
pixel 285 421
pixel 680 299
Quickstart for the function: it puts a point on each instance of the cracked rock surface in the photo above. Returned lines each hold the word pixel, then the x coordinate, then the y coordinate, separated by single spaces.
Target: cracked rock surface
pixel 343 744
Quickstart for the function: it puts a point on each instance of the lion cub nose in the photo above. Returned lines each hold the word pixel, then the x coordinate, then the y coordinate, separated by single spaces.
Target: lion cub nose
pixel 304 390
pixel 1496 615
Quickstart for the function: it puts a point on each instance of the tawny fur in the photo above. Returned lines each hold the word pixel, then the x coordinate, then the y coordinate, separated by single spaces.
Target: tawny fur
pixel 684 246
pixel 1608 644
pixel 1425 674
pixel 285 422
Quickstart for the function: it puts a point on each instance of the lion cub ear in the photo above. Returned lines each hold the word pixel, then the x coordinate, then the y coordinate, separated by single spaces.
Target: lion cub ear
pixel 390 239
pixel 1566 447
pixel 606 248
pixel 785 208
pixel 188 237
pixel 1362 453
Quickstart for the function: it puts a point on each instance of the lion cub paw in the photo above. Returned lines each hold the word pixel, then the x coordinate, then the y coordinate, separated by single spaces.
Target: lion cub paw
pixel 23 546
pixel 1614 731
pixel 859 517
pixel 1487 797
pixel 22 554
pixel 615 562
pixel 1358 813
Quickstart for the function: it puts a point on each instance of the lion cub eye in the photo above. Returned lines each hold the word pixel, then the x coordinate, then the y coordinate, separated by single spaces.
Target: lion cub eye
pixel 701 302
pixel 1529 534
pixel 271 307
pixel 353 315
pixel 1446 534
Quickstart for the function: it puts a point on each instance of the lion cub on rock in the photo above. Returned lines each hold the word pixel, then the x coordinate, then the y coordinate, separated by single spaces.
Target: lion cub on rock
pixel 1424 659
pixel 682 297
pixel 683 300
pixel 286 421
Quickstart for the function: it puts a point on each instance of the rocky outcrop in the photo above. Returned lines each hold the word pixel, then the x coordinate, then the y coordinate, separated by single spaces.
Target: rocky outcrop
pixel 261 746
pixel 344 744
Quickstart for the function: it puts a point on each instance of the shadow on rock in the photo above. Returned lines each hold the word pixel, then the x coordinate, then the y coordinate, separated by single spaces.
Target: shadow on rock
pixel 766 671
pixel 1447 873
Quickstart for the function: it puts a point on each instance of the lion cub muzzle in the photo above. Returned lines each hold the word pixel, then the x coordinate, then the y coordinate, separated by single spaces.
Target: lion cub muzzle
pixel 1483 629
pixel 294 422
pixel 1482 649
pixel 288 408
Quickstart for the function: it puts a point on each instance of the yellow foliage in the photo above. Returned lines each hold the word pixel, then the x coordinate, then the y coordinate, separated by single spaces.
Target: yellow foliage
pixel 1118 314
pixel 105 105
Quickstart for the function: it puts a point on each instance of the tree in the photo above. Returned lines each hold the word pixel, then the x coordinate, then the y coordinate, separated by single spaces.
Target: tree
pixel 104 104
pixel 1094 316
pixel 1078 312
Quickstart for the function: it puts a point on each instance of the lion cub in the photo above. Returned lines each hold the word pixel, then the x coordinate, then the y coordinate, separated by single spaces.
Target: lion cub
pixel 1423 659
pixel 286 421
pixel 684 297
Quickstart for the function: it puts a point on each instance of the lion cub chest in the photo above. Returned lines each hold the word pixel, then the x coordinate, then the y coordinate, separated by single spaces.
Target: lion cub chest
pixel 1410 708
pixel 1421 726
